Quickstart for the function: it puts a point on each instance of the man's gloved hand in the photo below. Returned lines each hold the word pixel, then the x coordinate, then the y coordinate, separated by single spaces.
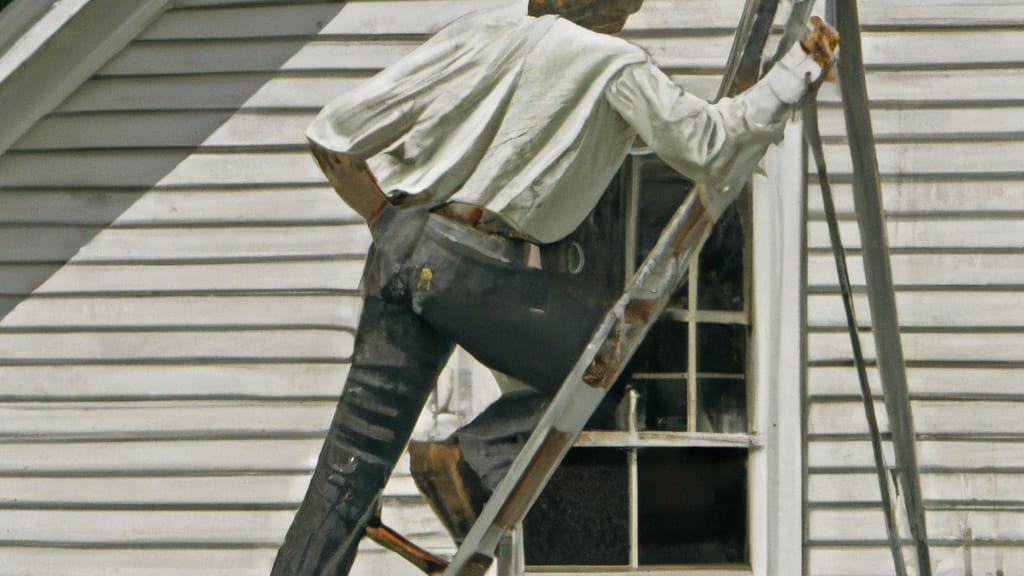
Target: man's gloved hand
pixel 821 43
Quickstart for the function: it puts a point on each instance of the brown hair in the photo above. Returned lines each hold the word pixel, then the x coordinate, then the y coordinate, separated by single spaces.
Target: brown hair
pixel 597 15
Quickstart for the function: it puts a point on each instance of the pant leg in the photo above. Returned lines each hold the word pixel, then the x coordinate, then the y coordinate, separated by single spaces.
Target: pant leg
pixel 492 440
pixel 528 323
pixel 395 364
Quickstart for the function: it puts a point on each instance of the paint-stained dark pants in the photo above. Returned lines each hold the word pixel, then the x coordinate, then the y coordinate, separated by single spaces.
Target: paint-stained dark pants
pixel 453 285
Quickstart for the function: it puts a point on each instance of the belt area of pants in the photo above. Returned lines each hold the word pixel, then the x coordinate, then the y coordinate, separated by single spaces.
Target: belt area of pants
pixel 496 246
pixel 462 223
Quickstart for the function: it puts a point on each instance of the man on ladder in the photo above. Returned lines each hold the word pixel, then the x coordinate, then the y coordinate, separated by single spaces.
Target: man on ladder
pixel 497 135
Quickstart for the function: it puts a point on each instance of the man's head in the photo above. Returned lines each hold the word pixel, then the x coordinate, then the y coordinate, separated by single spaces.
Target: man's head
pixel 605 16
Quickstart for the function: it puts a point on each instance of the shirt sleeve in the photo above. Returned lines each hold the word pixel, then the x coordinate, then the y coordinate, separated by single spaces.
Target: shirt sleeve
pixel 717 145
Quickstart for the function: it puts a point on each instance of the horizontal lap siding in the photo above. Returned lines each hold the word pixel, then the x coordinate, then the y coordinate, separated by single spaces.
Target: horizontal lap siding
pixel 179 306
pixel 181 301
pixel 947 115
pixel 180 292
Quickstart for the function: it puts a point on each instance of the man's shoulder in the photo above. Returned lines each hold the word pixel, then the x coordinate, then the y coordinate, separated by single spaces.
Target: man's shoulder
pixel 575 38
pixel 486 19
pixel 557 31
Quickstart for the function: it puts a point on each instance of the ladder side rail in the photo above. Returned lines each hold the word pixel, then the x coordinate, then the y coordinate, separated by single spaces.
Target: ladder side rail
pixel 600 364
pixel 812 135
pixel 623 328
pixel 878 272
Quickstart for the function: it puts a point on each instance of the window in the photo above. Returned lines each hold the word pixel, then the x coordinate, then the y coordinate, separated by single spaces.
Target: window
pixel 659 478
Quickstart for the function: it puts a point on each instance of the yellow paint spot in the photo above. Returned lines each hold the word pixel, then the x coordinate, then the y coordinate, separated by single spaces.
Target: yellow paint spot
pixel 426 275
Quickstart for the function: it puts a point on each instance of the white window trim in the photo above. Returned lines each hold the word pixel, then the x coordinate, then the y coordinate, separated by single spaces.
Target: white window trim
pixel 776 455
pixel 776 470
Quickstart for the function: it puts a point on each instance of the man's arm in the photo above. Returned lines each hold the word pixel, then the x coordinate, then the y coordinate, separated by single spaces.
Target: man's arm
pixel 717 145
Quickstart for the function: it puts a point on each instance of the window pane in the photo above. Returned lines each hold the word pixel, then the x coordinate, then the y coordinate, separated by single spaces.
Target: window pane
pixel 722 348
pixel 662 404
pixel 721 264
pixel 722 405
pixel 582 517
pixel 693 506
pixel 664 349
pixel 662 190
pixel 593 257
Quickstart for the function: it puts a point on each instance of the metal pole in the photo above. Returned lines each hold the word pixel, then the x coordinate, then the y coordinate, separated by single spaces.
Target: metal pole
pixel 878 272
pixel 813 137
pixel 597 368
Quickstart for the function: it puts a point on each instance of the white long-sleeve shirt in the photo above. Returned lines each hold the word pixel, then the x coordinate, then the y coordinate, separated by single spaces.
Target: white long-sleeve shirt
pixel 530 118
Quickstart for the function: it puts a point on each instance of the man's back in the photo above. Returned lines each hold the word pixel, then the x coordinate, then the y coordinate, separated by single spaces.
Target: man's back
pixel 504 112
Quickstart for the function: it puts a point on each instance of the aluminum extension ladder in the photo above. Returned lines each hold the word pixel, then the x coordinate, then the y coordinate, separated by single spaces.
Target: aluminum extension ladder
pixel 648 293
pixel 615 340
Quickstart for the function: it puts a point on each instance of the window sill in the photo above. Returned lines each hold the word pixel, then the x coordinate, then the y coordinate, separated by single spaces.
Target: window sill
pixel 655 439
pixel 725 570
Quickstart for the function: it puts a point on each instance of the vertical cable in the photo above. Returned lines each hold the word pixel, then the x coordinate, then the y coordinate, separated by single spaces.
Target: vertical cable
pixel 691 343
pixel 813 136
pixel 867 195
pixel 634 483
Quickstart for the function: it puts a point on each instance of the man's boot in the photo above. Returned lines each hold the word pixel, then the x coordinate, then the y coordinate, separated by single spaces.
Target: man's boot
pixel 448 484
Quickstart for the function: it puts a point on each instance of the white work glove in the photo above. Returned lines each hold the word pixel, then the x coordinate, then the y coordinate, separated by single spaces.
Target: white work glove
pixel 788 78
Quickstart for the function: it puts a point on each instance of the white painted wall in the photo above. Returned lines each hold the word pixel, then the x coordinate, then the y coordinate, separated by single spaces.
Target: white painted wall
pixel 177 285
pixel 179 292
pixel 946 112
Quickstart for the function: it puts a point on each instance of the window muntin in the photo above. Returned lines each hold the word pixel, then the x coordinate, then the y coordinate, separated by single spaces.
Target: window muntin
pixel 678 418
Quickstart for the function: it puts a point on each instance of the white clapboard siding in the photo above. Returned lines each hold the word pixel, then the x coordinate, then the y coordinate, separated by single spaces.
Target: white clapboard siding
pixel 956 158
pixel 983 455
pixel 312 275
pixel 994 270
pixel 171 128
pixel 81 313
pixel 931 417
pixel 907 123
pixel 202 243
pixel 921 309
pixel 178 285
pixel 933 346
pixel 161 492
pixel 209 92
pixel 866 525
pixel 191 345
pixel 303 205
pixel 965 381
pixel 169 561
pixel 947 118
pixel 939 489
pixel 178 295
pixel 84 383
pixel 165 418
pixel 861 561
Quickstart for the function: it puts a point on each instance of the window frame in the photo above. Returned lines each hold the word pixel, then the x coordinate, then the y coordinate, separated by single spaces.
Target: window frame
pixel 773 307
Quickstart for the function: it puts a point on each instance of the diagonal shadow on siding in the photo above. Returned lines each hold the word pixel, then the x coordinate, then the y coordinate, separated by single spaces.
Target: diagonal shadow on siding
pixel 121 132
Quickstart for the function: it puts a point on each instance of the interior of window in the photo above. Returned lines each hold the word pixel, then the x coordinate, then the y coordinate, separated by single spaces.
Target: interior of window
pixel 657 478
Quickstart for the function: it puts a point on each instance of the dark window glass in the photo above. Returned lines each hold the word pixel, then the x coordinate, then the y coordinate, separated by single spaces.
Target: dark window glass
pixel 721 264
pixel 662 404
pixel 662 190
pixel 692 502
pixel 722 348
pixel 722 405
pixel 582 517
pixel 693 506
pixel 664 349
pixel 593 257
